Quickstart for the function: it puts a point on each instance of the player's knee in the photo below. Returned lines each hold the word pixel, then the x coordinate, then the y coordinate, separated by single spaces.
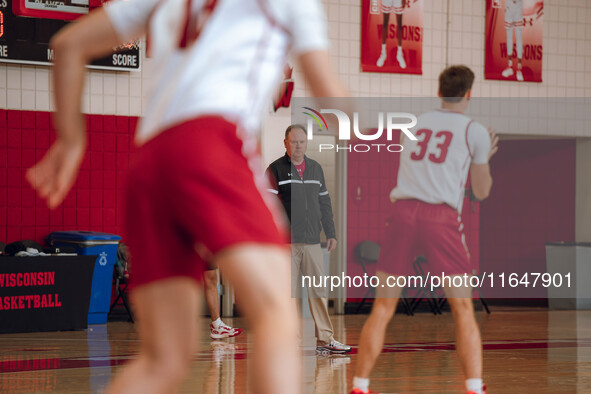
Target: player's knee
pixel 384 309
pixel 172 366
pixel 170 357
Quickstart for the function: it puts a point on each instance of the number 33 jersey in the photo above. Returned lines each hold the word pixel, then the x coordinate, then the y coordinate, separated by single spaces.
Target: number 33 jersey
pixel 434 169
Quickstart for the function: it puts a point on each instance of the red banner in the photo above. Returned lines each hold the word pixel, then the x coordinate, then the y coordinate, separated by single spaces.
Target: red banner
pixel 514 40
pixel 392 36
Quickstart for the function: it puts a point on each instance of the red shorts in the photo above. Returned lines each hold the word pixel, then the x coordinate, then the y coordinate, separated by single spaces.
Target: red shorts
pixel 190 194
pixel 418 228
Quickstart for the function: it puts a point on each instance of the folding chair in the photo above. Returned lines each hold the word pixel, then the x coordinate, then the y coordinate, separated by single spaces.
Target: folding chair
pixel 121 283
pixel 121 279
pixel 423 292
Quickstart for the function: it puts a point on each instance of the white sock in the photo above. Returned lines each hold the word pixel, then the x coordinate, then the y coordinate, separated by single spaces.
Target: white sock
pixel 361 383
pixel 474 385
pixel 216 323
pixel 383 47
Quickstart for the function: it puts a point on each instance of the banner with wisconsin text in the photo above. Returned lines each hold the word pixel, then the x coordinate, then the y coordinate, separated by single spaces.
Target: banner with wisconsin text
pixel 514 40
pixel 392 36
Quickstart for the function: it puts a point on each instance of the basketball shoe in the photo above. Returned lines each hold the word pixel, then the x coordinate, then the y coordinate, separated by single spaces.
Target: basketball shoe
pixel 507 72
pixel 223 331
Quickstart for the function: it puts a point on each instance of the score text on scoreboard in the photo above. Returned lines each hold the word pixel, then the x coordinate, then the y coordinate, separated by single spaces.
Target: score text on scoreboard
pixel 26 26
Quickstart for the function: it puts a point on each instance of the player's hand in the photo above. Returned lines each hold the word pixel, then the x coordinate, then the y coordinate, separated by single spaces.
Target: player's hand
pixel 494 141
pixel 331 244
pixel 53 176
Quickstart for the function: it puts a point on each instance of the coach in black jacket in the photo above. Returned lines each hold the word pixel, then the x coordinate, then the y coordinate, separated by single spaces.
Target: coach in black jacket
pixel 299 183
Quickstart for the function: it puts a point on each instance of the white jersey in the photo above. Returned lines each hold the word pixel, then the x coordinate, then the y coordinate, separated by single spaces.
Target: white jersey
pixel 224 57
pixel 434 169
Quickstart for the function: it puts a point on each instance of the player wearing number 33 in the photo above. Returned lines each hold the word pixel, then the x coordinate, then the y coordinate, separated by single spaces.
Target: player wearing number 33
pixel 425 220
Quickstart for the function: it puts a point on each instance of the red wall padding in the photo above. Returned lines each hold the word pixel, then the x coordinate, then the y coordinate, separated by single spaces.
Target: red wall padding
pixel 93 204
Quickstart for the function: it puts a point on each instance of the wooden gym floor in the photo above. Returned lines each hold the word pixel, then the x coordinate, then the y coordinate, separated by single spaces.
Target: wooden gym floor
pixel 525 351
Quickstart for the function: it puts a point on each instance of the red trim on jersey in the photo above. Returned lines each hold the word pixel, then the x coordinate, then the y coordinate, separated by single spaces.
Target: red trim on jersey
pixel 194 24
pixel 270 17
pixel 467 144
pixel 187 24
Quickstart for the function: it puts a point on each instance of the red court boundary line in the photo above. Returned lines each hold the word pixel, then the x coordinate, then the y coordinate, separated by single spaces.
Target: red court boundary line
pixel 12 366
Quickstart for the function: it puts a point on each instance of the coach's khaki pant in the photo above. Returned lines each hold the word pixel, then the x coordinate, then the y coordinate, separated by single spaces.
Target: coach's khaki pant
pixel 307 260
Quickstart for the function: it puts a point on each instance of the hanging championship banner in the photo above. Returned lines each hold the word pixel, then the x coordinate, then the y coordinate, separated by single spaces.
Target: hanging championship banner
pixel 514 40
pixel 392 36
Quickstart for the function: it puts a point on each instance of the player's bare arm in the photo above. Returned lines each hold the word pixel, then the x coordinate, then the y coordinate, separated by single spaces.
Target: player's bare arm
pixel 91 37
pixel 320 76
pixel 480 176
pixel 324 83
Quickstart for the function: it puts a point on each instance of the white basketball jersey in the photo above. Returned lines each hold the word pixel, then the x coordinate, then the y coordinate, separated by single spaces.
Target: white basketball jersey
pixel 215 57
pixel 434 169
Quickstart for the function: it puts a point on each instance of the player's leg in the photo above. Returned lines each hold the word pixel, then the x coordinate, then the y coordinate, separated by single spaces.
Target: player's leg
pixel 399 53
pixel 398 249
pixel 386 9
pixel 166 316
pixel 507 72
pixel 210 290
pixel 447 253
pixel 468 341
pixel 260 276
pixel 385 25
pixel 166 270
pixel 217 328
pixel 371 341
pixel 519 45
pixel 236 230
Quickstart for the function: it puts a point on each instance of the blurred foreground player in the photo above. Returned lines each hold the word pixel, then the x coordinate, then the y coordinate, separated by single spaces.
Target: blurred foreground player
pixel 194 191
pixel 426 221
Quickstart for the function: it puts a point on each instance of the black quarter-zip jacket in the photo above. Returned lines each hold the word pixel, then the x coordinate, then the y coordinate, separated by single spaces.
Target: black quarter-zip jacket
pixel 305 199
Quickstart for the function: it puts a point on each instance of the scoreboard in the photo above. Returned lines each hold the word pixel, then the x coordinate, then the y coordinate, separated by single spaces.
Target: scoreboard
pixel 26 27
